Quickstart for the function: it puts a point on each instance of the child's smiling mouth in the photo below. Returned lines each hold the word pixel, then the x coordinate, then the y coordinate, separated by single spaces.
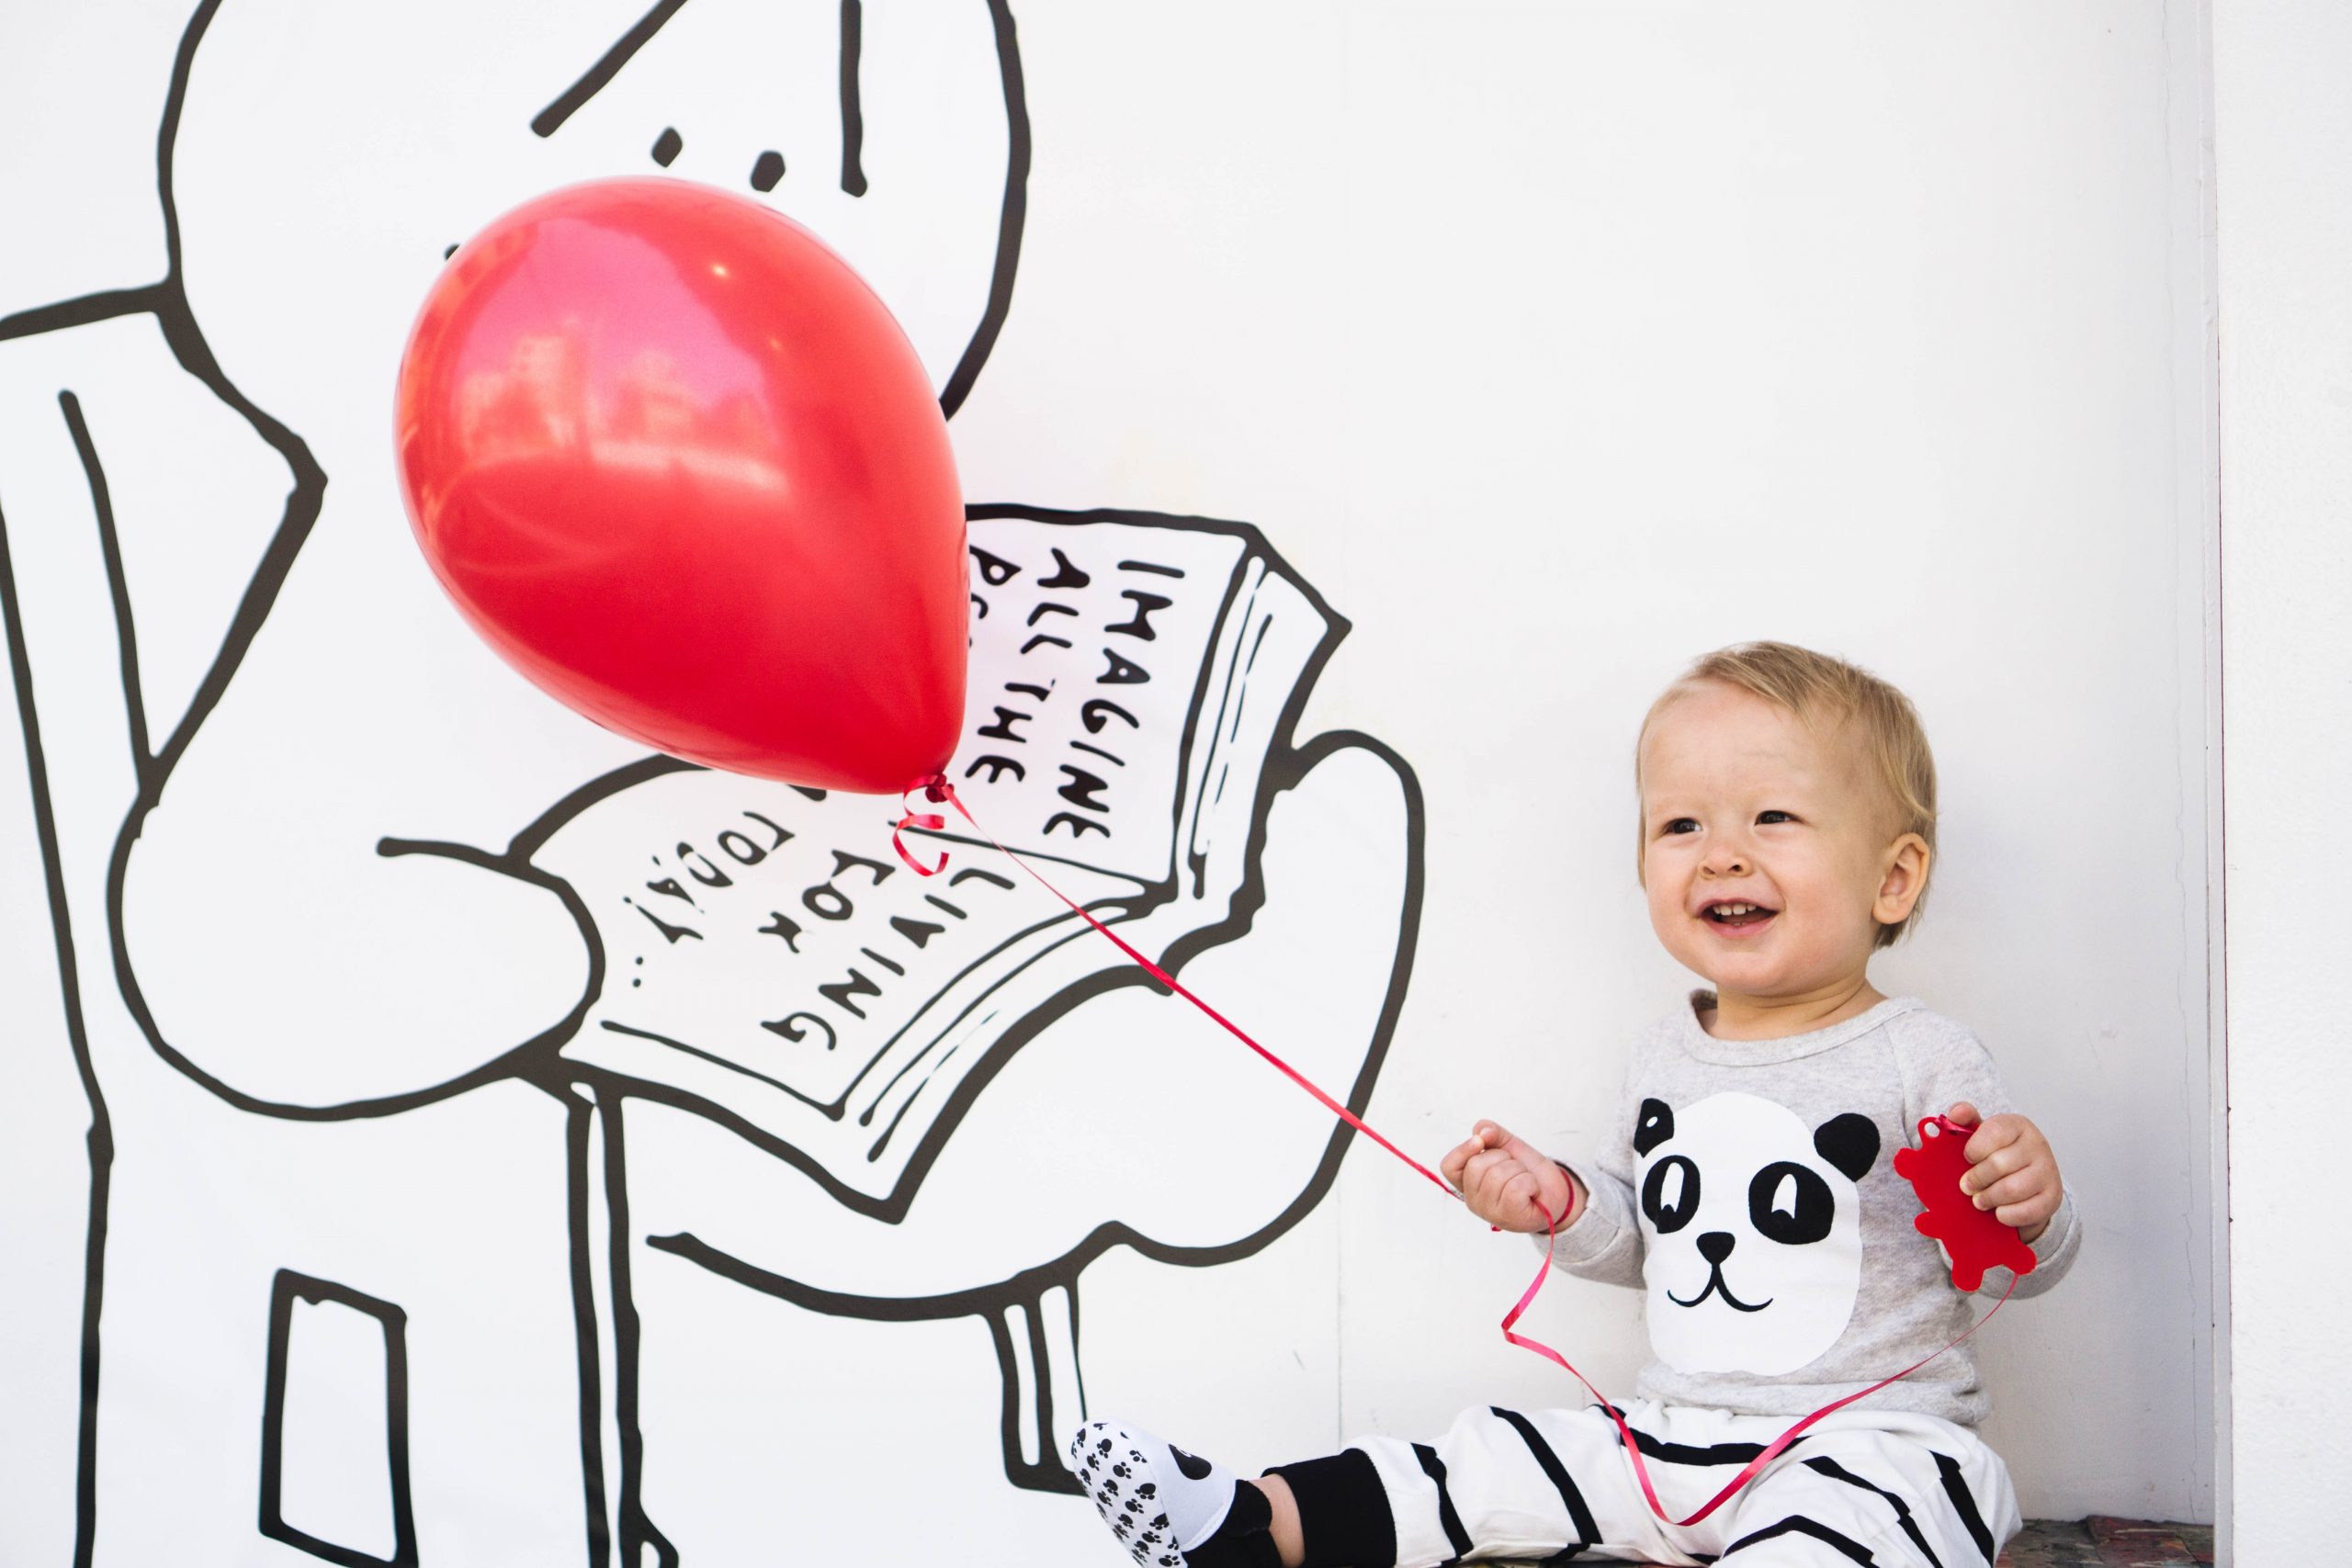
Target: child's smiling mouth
pixel 1737 916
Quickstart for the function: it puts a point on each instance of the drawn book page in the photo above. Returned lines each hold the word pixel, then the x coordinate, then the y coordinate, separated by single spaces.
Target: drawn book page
pixel 771 963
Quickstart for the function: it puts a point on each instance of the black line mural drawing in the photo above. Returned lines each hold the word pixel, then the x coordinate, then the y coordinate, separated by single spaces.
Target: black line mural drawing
pixel 289 1289
pixel 357 883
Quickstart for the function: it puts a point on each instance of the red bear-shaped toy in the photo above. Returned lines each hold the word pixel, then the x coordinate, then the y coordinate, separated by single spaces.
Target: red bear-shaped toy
pixel 1972 1238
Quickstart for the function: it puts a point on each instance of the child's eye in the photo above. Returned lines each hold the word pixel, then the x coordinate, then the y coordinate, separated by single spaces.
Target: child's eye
pixel 1763 816
pixel 1680 825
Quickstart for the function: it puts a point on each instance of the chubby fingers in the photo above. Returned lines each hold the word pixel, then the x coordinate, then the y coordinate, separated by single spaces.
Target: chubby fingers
pixel 2026 1199
pixel 1504 1190
pixel 2009 1175
pixel 1484 1136
pixel 2002 1144
pixel 2014 1175
pixel 1488 1172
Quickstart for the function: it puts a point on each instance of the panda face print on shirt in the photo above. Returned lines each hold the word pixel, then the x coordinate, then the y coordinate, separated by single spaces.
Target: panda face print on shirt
pixel 1754 1231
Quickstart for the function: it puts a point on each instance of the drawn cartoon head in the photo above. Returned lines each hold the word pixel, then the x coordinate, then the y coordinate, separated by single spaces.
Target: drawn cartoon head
pixel 1754 1231
pixel 323 173
pixel 317 171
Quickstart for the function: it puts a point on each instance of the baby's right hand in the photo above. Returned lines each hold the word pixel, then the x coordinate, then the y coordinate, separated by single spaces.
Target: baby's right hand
pixel 1511 1184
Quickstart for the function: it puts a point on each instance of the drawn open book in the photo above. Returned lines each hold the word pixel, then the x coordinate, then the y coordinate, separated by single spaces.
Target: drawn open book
pixel 772 965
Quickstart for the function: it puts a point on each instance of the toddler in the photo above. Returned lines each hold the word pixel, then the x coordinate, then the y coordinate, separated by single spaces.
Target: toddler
pixel 1788 823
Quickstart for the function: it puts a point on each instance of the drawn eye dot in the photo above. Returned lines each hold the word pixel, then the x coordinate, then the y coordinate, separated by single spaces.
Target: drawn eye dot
pixel 767 171
pixel 667 145
pixel 1784 1196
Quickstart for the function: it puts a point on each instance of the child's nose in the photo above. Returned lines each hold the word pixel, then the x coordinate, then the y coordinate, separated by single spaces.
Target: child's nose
pixel 1726 860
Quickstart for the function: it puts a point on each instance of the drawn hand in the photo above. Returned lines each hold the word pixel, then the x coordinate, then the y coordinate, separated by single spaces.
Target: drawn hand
pixel 1511 1184
pixel 2011 1170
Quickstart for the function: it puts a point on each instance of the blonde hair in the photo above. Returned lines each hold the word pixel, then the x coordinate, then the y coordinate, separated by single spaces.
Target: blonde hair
pixel 1827 693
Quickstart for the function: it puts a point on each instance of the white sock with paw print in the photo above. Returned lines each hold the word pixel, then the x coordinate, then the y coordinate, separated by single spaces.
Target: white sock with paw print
pixel 1169 1508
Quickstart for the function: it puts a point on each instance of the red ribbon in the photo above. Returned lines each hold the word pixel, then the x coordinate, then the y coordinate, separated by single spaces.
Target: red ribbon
pixel 1754 1467
pixel 936 788
pixel 931 821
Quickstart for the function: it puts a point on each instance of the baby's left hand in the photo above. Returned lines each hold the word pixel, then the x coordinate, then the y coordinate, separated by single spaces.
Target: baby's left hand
pixel 2010 1171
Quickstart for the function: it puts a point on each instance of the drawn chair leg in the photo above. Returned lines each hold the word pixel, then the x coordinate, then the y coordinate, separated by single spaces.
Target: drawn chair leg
pixel 1036 1352
pixel 612 1449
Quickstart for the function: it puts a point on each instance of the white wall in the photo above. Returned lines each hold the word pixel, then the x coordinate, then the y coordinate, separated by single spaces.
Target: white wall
pixel 2284 185
pixel 1554 344
pixel 1613 335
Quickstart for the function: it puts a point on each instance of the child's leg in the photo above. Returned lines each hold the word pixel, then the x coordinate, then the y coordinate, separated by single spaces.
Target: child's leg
pixel 1899 1491
pixel 1499 1485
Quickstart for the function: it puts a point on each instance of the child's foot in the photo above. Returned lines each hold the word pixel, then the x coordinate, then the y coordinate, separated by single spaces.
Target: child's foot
pixel 1169 1508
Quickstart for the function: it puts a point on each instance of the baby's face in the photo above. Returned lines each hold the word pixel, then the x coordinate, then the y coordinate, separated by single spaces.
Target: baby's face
pixel 1766 847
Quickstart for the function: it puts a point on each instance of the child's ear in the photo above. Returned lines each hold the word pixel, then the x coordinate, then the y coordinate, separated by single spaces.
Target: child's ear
pixel 1903 877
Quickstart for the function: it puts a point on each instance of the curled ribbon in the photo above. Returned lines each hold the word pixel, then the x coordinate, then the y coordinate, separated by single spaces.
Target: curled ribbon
pixel 931 821
pixel 936 789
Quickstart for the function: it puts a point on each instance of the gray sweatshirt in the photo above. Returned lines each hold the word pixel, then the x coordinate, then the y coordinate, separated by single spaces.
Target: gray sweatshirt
pixel 1750 1185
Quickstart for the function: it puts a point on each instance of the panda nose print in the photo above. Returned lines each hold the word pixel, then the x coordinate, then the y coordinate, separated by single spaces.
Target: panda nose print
pixel 1715 1246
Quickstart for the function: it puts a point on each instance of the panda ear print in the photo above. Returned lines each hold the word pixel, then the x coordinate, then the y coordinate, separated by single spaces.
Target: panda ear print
pixel 1656 1125
pixel 1848 1142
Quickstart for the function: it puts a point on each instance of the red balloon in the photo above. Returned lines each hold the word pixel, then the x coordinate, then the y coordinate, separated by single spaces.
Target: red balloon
pixel 678 464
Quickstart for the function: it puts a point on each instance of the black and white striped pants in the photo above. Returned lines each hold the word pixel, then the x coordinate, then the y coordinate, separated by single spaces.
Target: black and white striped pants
pixel 1867 1487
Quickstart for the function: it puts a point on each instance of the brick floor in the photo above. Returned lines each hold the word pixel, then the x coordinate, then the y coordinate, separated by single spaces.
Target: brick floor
pixel 2103 1542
